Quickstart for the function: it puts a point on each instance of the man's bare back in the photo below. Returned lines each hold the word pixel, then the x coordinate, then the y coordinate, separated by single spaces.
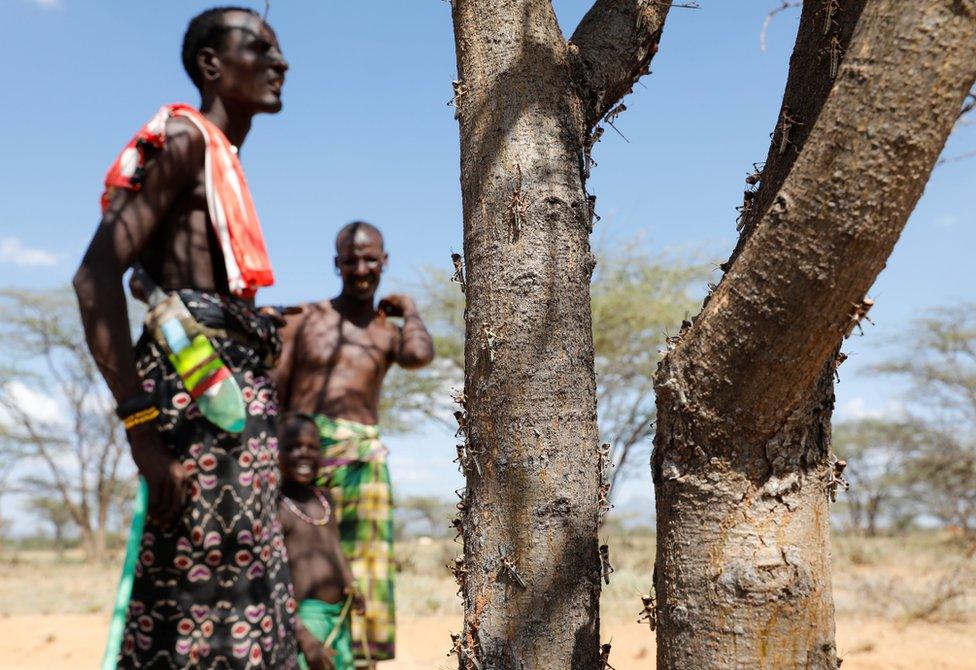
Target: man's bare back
pixel 337 352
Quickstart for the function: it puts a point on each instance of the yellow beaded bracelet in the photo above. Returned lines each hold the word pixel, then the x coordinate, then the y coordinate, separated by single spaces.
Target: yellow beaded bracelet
pixel 140 417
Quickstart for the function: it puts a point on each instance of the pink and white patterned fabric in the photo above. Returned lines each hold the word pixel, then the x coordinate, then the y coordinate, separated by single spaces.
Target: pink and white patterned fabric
pixel 214 591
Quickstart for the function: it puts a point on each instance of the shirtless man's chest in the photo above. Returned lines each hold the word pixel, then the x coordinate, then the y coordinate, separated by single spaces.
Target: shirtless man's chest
pixel 342 364
pixel 184 252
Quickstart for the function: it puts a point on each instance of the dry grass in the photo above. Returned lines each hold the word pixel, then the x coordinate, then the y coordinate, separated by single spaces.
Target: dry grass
pixel 427 588
pixel 904 602
pixel 924 576
pixel 916 577
pixel 919 577
pixel 38 582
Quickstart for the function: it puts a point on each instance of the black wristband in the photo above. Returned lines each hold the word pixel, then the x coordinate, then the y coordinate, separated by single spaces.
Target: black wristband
pixel 133 404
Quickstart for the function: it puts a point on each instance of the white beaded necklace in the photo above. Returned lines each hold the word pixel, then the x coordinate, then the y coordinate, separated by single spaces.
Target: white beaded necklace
pixel 305 517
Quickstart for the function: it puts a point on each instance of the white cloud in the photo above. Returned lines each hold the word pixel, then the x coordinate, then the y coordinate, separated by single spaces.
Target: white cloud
pixel 13 251
pixel 858 408
pixel 38 406
pixel 47 4
pixel 947 220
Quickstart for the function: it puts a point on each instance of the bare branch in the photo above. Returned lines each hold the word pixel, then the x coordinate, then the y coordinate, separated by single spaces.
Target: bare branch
pixel 82 449
pixel 968 105
pixel 786 4
pixel 956 159
pixel 614 43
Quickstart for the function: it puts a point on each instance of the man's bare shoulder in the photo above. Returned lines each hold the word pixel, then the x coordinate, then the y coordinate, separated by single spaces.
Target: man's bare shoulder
pixel 385 324
pixel 185 142
pixel 314 319
pixel 315 313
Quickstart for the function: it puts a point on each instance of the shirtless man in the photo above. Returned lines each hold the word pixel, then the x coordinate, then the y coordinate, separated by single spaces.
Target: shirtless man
pixel 211 586
pixel 335 356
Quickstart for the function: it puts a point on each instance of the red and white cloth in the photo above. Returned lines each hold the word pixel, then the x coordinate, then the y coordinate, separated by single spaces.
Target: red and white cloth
pixel 232 212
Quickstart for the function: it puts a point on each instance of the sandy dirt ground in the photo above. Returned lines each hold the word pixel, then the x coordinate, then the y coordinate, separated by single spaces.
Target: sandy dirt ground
pixel 62 641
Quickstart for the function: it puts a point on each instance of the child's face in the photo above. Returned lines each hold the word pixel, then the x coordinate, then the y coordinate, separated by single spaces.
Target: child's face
pixel 298 453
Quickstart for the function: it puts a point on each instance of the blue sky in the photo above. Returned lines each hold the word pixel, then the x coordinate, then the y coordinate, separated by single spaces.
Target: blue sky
pixel 366 133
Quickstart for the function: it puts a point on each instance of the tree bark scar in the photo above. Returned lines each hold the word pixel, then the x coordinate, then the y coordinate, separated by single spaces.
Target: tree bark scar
pixel 771 574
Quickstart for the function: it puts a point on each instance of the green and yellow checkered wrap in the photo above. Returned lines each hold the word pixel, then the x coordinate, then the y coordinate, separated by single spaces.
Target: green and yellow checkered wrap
pixel 356 473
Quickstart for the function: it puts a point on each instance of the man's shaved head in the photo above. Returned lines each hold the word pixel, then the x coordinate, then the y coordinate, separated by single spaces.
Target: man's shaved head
pixel 360 259
pixel 350 231
pixel 206 29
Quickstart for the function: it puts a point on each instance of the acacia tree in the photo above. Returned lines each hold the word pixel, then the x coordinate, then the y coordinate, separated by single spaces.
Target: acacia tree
pixel 527 102
pixel 742 452
pixel 877 453
pixel 742 460
pixel 637 298
pixel 54 512
pixel 76 451
pixel 11 452
pixel 939 436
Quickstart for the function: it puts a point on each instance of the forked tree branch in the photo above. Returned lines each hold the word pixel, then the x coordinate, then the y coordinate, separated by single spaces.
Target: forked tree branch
pixel 614 43
pixel 760 344
pixel 821 44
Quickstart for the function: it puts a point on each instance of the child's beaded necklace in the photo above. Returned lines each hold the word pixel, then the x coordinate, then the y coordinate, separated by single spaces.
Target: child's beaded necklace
pixel 305 517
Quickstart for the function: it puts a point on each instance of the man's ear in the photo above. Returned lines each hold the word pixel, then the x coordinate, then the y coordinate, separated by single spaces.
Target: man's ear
pixel 386 259
pixel 209 63
pixel 335 261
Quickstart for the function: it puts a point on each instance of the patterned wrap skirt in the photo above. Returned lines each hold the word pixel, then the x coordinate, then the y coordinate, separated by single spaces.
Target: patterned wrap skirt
pixel 214 590
pixel 356 474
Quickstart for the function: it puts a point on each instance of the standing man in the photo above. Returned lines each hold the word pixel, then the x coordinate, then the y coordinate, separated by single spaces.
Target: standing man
pixel 335 356
pixel 212 588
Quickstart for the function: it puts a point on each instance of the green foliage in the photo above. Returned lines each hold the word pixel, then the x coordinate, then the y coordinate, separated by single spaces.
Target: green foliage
pixel 411 397
pixel 877 452
pixel 637 300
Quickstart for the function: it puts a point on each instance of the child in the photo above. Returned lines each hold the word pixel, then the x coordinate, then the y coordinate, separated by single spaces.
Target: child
pixel 323 582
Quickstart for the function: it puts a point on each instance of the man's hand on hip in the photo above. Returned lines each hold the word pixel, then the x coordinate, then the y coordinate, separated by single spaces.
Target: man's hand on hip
pixel 166 478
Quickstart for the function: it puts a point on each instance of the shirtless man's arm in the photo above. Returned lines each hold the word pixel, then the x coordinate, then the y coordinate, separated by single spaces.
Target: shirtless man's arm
pixel 126 228
pixel 414 347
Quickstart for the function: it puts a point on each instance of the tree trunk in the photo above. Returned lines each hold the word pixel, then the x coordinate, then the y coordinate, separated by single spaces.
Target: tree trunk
pixel 742 461
pixel 526 101
pixel 86 540
pixel 100 544
pixel 855 515
pixel 872 513
pixel 58 538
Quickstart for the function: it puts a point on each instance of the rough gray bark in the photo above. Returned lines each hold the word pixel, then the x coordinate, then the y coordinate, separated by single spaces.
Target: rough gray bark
pixel 527 101
pixel 742 446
